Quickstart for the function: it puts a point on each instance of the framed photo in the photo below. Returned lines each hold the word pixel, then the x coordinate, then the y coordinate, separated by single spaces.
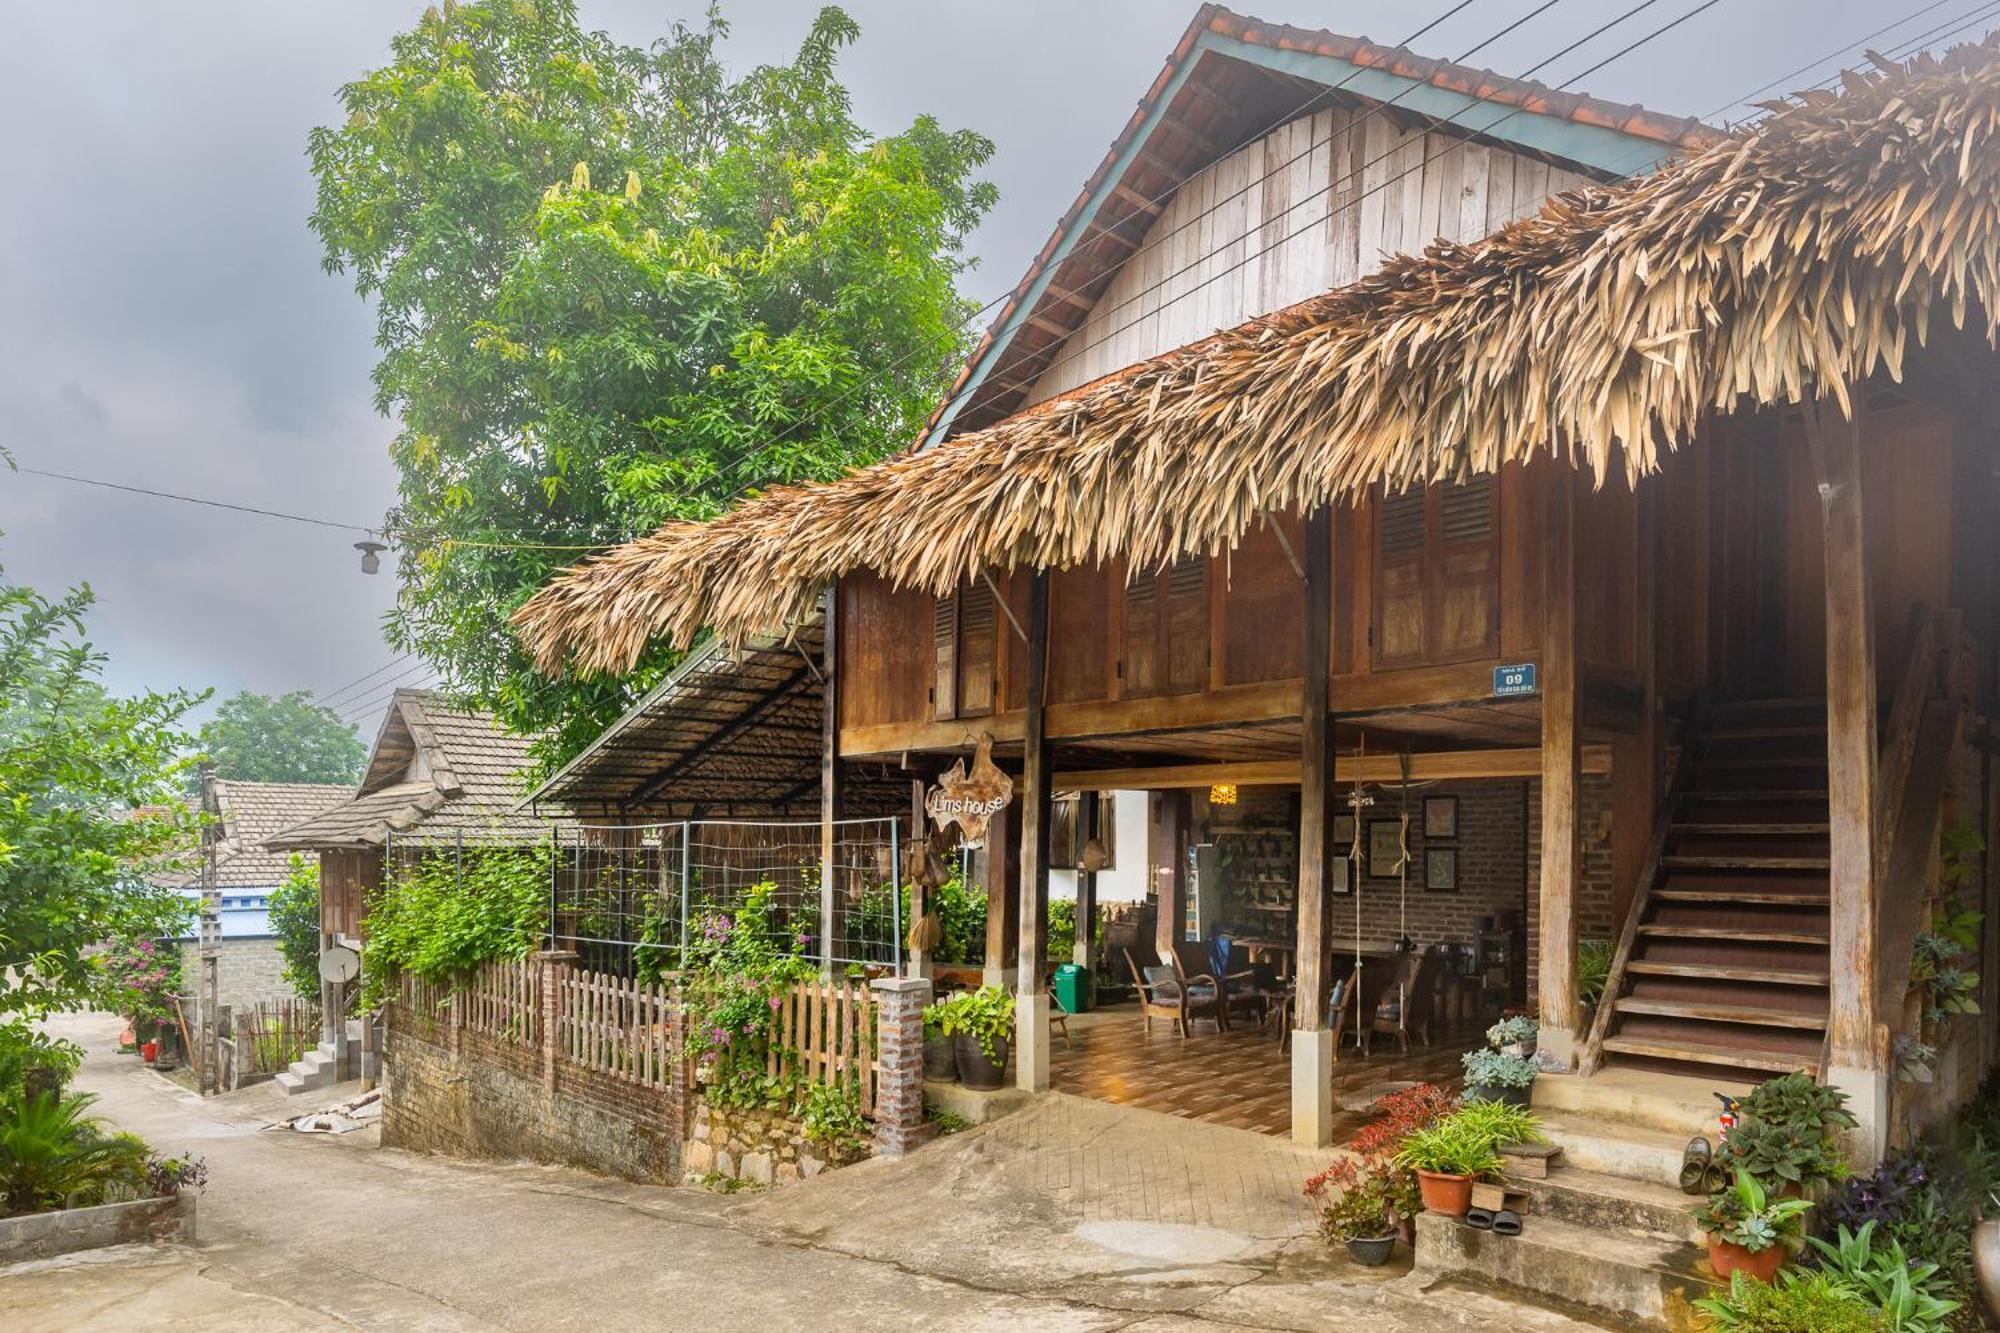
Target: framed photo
pixel 1385 848
pixel 1343 830
pixel 1341 877
pixel 1441 869
pixel 1440 817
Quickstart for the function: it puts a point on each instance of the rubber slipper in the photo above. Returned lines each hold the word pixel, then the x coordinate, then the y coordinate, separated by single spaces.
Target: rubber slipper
pixel 1696 1162
pixel 1480 1219
pixel 1506 1222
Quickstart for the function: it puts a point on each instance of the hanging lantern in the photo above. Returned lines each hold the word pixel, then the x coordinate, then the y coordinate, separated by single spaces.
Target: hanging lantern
pixel 1093 857
pixel 1222 793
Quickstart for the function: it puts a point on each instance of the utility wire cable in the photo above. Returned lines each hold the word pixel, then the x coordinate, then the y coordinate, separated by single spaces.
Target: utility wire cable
pixel 194 500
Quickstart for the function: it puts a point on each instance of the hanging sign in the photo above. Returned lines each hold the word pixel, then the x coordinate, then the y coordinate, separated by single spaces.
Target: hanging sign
pixel 1512 681
pixel 970 798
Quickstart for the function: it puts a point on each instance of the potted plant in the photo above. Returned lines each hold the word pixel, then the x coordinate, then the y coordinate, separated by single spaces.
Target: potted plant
pixel 1787 1135
pixel 980 1024
pixel 1361 1214
pixel 1496 1076
pixel 1447 1157
pixel 1748 1230
pixel 940 1055
pixel 1515 1036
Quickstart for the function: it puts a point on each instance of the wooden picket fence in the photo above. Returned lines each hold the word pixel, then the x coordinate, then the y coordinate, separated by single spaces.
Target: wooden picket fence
pixel 270 1034
pixel 423 1006
pixel 618 1027
pixel 503 1000
pixel 826 1030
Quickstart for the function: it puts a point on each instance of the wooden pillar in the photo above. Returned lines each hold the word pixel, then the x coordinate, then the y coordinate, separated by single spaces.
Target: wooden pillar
pixel 1089 810
pixel 918 960
pixel 1636 759
pixel 1857 1053
pixel 997 865
pixel 1562 768
pixel 1031 1007
pixel 1166 830
pixel 829 778
pixel 1312 1039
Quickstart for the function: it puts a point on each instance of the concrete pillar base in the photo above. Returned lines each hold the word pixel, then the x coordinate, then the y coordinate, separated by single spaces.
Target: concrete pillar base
pixel 1557 1049
pixel 1868 1098
pixel 1312 1088
pixel 1031 1042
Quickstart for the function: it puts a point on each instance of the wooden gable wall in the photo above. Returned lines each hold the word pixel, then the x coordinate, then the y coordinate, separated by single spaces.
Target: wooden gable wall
pixel 1311 206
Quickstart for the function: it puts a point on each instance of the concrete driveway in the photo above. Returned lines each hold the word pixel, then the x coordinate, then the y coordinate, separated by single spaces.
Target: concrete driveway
pixel 1069 1216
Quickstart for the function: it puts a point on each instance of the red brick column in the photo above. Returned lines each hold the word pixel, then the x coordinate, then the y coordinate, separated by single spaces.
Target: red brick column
pixel 555 962
pixel 899 1037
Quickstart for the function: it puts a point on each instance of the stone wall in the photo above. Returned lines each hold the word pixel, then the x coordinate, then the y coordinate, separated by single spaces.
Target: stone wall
pixel 67 1230
pixel 248 970
pixel 490 1099
pixel 764 1147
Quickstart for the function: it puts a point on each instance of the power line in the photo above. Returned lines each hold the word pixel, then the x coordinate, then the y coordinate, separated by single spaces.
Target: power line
pixel 334 696
pixel 1830 55
pixel 356 710
pixel 192 499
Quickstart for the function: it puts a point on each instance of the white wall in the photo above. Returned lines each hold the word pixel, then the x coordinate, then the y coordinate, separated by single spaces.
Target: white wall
pixel 1126 881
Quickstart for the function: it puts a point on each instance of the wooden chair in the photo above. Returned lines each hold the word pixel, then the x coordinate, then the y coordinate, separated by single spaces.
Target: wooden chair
pixel 1339 1009
pixel 1058 1016
pixel 1405 1008
pixel 1237 987
pixel 1165 991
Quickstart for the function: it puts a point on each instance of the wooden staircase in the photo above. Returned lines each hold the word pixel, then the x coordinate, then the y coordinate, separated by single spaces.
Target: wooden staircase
pixel 1724 960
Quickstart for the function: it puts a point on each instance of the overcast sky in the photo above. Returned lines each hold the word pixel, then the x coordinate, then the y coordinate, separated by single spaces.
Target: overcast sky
pixel 164 321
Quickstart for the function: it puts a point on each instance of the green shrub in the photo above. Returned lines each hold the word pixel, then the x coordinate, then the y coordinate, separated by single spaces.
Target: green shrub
pixel 961 908
pixel 1451 1147
pixel 1593 968
pixel 831 1117
pixel 294 912
pixel 54 1154
pixel 452 911
pixel 1500 1122
pixel 739 965
pixel 986 1013
pixel 1910 1295
pixel 1803 1301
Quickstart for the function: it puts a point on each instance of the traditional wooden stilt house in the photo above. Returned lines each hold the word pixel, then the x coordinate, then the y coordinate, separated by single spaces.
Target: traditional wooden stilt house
pixel 1662 505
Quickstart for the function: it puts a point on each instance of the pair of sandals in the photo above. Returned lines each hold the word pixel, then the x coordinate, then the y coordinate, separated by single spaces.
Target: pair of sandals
pixel 1700 1172
pixel 1499 1221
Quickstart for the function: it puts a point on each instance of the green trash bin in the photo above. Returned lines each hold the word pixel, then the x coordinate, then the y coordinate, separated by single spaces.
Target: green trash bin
pixel 1073 988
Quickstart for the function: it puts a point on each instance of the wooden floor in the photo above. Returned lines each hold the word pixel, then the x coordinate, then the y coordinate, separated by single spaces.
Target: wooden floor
pixel 1238 1078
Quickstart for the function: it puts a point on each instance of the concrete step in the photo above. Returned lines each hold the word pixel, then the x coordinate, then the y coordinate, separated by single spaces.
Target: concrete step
pixel 292 1084
pixel 1671 1107
pixel 1613 1203
pixel 1635 1281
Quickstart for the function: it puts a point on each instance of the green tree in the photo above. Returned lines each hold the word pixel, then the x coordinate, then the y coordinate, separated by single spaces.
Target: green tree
pixel 618 286
pixel 281 738
pixel 90 809
pixel 294 915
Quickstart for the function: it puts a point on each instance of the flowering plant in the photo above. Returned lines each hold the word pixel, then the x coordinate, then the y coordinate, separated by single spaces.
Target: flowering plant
pixel 147 976
pixel 739 966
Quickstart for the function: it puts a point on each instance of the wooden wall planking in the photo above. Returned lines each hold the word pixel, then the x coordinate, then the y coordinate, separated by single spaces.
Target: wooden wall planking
pixel 1311 206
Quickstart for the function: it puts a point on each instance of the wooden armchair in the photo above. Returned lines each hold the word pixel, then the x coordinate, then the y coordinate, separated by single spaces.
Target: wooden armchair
pixel 1238 987
pixel 1407 1006
pixel 1166 992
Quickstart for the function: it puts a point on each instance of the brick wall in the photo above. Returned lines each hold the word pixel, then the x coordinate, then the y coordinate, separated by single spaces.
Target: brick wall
pixel 1491 873
pixel 490 1100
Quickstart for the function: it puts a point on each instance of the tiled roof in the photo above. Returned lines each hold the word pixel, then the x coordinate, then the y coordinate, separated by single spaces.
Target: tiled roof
pixel 1198 102
pixel 436 768
pixel 250 813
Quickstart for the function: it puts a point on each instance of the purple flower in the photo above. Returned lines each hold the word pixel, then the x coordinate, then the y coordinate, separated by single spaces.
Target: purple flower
pixel 804 940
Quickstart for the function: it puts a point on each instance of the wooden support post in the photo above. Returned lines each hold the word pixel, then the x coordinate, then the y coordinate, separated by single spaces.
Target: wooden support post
pixel 1636 760
pixel 997 866
pixel 919 959
pixel 1089 811
pixel 1312 1039
pixel 1031 1006
pixel 1857 1045
pixel 1167 833
pixel 829 779
pixel 1562 780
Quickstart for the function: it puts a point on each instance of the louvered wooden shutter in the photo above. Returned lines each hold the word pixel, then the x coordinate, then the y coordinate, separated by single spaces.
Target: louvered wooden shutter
pixel 1064 849
pixel 1186 646
pixel 1400 579
pixel 976 649
pixel 944 657
pixel 1142 636
pixel 1466 570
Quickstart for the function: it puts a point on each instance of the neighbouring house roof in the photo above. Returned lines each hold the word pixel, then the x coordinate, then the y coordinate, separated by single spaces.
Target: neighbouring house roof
pixel 436 767
pixel 1229 79
pixel 1807 251
pixel 251 812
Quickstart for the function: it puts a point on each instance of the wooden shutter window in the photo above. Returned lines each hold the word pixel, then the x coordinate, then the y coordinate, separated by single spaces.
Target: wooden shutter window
pixel 1140 666
pixel 944 657
pixel 1400 583
pixel 976 649
pixel 1436 575
pixel 1186 646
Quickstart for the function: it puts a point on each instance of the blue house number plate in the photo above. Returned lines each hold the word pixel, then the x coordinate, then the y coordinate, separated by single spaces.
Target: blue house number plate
pixel 1510 681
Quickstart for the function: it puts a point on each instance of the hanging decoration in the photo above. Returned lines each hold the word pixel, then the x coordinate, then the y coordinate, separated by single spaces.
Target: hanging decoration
pixel 970 798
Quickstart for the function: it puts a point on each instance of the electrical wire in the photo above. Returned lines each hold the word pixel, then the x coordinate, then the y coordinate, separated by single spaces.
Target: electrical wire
pixel 346 691
pixel 193 500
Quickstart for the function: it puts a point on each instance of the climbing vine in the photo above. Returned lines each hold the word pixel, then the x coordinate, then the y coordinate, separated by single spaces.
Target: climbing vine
pixel 454 909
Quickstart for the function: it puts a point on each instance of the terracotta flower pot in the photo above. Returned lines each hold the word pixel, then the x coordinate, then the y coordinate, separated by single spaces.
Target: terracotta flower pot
pixel 1726 1258
pixel 1443 1193
pixel 975 1070
pixel 1371 1250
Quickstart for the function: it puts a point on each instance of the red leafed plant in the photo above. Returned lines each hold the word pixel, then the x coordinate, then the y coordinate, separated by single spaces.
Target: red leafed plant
pixel 1399 1114
pixel 1371 1171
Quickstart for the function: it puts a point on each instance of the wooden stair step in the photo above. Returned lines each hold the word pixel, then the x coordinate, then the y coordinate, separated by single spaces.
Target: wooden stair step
pixel 1754 1014
pixel 1758 732
pixel 1725 829
pixel 1774 976
pixel 1735 1057
pixel 1749 934
pixel 1725 894
pixel 1746 862
pixel 1770 794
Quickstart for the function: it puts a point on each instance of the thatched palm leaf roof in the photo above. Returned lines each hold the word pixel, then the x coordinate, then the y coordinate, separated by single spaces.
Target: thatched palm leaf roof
pixel 1808 251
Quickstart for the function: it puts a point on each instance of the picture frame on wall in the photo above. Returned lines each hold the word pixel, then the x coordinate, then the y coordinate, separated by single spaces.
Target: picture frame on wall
pixel 1440 817
pixel 1341 878
pixel 1385 848
pixel 1343 830
pixel 1441 870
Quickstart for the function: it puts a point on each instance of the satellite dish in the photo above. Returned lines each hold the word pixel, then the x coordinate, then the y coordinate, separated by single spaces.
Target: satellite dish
pixel 339 964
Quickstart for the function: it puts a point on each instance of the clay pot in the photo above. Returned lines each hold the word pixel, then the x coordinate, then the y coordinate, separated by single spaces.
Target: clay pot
pixel 974 1069
pixel 1371 1250
pixel 940 1059
pixel 1506 1096
pixel 1447 1194
pixel 1986 1261
pixel 1726 1258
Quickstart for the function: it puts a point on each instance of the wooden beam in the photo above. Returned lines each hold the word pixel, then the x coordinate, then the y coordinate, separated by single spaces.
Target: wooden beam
pixel 1137 200
pixel 1089 808
pixel 1431 766
pixel 1316 780
pixel 1637 757
pixel 829 774
pixel 1031 1004
pixel 1835 443
pixel 1561 766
